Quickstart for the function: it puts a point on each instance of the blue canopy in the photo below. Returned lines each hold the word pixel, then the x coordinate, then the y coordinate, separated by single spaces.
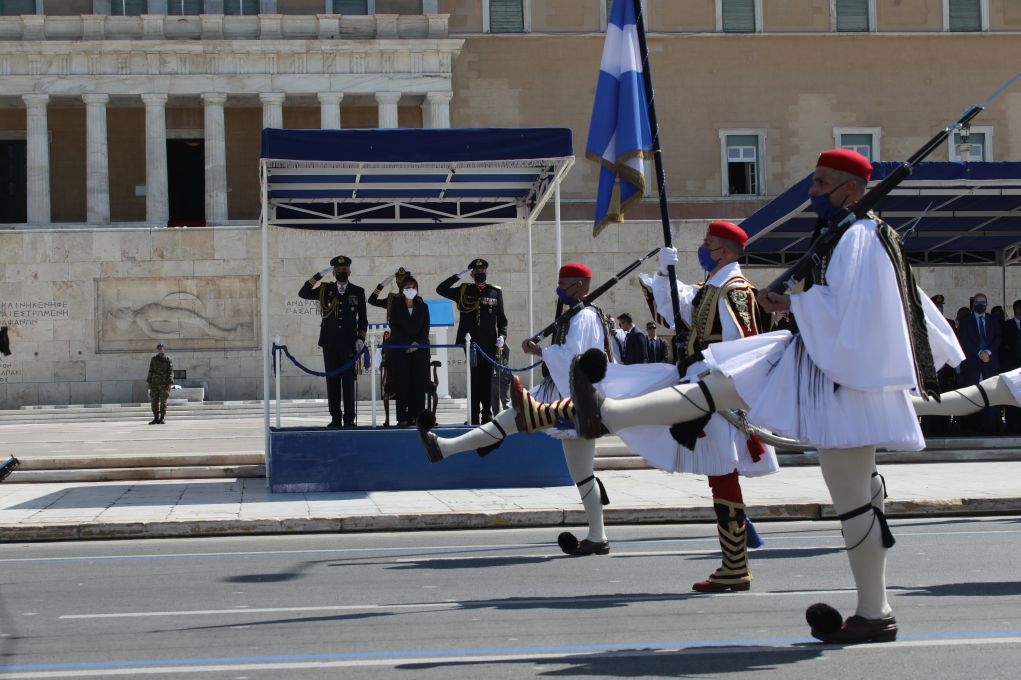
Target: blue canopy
pixel 972 215
pixel 410 179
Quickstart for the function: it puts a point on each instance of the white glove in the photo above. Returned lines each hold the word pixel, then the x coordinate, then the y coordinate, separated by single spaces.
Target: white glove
pixel 500 341
pixel 386 282
pixel 465 273
pixel 359 345
pixel 667 257
pixel 328 270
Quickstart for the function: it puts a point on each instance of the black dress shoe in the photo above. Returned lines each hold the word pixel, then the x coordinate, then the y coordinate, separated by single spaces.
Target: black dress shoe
pixel 335 425
pixel 154 421
pixel 571 546
pixel 858 629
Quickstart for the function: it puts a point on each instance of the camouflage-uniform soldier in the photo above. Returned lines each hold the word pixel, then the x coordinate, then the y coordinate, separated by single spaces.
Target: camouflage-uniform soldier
pixel 160 379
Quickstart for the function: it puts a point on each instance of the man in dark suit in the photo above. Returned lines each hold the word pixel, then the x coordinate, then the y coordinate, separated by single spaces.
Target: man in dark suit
pixel 481 306
pixel 1010 358
pixel 981 337
pixel 636 347
pixel 341 333
pixel 656 347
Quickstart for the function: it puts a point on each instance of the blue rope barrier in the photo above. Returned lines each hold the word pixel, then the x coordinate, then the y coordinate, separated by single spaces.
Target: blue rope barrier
pixel 346 367
pixel 500 366
pixel 322 374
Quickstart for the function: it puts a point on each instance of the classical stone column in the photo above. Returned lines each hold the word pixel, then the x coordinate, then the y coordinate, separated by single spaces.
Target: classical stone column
pixel 329 110
pixel 157 207
pixel 438 104
pixel 388 108
pixel 272 109
pixel 216 159
pixel 97 163
pixel 38 158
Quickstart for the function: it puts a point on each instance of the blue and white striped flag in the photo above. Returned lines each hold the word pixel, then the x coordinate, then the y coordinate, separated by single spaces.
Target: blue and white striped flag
pixel 619 136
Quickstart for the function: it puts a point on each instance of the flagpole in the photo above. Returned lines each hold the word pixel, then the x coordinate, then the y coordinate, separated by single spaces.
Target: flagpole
pixel 650 98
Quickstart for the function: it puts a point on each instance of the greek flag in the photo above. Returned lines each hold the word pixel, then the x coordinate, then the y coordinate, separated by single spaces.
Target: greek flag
pixel 619 135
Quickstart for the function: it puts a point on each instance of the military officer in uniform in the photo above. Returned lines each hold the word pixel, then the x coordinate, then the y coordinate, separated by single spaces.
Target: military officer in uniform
pixel 341 333
pixel 160 379
pixel 482 316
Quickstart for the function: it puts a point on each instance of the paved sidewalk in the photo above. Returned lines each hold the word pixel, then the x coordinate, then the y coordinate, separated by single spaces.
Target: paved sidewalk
pixel 149 509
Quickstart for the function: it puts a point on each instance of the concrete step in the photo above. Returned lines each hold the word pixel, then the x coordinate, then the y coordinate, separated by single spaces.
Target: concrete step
pixel 136 473
pixel 90 462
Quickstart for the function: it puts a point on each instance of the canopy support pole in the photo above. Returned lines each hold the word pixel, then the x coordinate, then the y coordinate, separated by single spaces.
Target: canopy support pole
pixel 266 350
pixel 556 217
pixel 531 295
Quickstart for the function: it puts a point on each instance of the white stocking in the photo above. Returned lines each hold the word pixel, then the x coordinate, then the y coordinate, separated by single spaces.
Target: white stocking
pixel 847 473
pixel 967 400
pixel 670 405
pixel 580 455
pixel 477 437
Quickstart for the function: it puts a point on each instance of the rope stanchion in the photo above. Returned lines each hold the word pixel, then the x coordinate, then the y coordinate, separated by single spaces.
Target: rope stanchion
pixel 500 366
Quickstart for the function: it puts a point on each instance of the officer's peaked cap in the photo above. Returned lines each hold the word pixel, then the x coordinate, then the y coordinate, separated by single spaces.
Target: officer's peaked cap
pixel 342 260
pixel 478 263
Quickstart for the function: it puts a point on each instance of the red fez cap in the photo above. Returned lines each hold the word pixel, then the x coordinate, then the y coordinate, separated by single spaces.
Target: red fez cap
pixel 728 230
pixel 846 160
pixel 575 270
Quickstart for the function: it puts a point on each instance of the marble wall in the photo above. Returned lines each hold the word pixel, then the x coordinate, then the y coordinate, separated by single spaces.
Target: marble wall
pixel 64 292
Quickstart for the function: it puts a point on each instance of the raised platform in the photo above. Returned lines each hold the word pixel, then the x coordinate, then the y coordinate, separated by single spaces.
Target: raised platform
pixel 376 459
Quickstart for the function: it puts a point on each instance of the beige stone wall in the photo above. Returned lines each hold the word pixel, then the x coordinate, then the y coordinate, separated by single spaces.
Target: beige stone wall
pixel 795 16
pixel 910 15
pixel 50 279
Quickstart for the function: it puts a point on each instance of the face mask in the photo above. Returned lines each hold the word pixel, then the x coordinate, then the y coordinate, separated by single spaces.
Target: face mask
pixel 563 297
pixel 705 258
pixel 341 277
pixel 980 308
pixel 480 277
pixel 824 209
pixel 410 293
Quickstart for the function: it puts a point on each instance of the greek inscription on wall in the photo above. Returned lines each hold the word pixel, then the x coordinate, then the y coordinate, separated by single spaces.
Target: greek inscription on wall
pixel 9 372
pixel 301 307
pixel 219 312
pixel 29 312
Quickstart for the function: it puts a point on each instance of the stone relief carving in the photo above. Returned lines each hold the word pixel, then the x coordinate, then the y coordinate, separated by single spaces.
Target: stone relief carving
pixel 187 313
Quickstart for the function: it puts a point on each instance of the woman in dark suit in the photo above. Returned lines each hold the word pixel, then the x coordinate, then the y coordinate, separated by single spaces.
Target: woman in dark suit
pixel 409 325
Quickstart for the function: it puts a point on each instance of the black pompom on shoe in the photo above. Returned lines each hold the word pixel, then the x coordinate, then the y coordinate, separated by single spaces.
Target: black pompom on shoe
pixel 593 364
pixel 823 619
pixel 568 542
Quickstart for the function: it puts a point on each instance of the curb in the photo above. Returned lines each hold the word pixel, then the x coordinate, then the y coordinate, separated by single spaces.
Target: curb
pixel 17 533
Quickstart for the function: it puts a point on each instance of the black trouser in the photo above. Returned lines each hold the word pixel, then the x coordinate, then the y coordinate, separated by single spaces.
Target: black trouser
pixel 482 399
pixel 340 384
pixel 408 373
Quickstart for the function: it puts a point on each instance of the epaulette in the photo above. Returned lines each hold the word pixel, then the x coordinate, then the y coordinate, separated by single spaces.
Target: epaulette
pixel 493 285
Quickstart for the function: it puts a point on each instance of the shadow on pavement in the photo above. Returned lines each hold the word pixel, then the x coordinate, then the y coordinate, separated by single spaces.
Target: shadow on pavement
pixel 986 589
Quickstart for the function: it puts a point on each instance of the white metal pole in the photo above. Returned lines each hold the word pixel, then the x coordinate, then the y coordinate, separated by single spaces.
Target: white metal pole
pixel 468 377
pixel 373 373
pixel 266 358
pixel 277 356
pixel 531 321
pixel 556 218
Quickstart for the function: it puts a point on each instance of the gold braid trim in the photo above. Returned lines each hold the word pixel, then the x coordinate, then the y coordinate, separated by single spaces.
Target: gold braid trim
pixel 324 309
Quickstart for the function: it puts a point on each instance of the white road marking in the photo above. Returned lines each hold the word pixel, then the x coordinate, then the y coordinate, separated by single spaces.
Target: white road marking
pixel 551 657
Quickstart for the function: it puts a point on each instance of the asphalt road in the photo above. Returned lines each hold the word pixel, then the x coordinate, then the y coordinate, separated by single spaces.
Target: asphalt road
pixel 501 604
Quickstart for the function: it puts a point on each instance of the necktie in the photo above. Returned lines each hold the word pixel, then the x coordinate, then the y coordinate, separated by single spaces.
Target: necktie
pixel 982 330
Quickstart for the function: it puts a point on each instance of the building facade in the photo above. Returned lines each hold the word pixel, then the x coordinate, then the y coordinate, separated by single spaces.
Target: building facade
pixel 137 115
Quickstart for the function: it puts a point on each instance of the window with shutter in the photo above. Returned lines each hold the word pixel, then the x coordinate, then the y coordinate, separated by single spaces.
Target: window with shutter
pixel 351 7
pixel 964 15
pixel 975 149
pixel 852 15
pixel 180 8
pixel 14 8
pixel 862 143
pixel 742 165
pixel 241 7
pixel 738 16
pixel 506 16
pixel 127 8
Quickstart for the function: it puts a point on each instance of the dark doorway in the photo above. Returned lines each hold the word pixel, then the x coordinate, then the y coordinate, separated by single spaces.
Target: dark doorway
pixel 13 181
pixel 186 182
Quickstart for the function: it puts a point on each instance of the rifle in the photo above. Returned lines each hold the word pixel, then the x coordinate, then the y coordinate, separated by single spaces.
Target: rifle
pixel 831 233
pixel 590 298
